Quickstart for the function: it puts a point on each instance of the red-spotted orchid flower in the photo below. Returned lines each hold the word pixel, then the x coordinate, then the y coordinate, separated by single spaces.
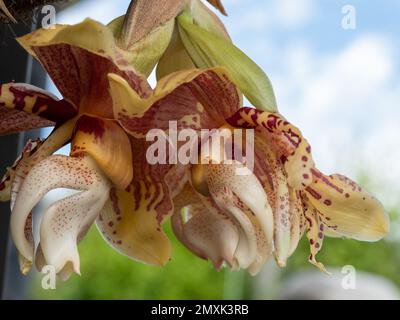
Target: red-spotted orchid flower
pixel 106 165
pixel 243 219
pixel 106 113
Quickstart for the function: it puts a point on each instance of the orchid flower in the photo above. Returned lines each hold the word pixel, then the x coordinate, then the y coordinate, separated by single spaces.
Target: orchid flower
pixel 105 163
pixel 106 112
pixel 234 219
pixel 242 220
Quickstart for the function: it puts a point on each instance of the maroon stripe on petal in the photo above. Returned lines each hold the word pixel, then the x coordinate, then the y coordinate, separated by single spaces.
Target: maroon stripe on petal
pixel 81 76
pixel 13 121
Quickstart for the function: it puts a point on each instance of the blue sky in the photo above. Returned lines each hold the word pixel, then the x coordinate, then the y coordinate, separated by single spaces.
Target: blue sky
pixel 341 87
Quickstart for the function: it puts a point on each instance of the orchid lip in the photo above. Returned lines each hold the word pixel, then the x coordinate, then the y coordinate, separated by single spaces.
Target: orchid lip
pixel 61 223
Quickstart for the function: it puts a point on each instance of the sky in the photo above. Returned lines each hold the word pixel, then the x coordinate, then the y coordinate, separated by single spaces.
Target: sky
pixel 341 87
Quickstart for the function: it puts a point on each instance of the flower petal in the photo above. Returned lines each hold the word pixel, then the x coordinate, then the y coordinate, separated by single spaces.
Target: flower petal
pixel 208 232
pixel 8 179
pixel 25 107
pixel 297 220
pixel 146 31
pixel 348 209
pixel 132 220
pixel 243 198
pixel 315 234
pixel 33 153
pixel 64 220
pixel 134 231
pixel 145 16
pixel 285 139
pixel 57 139
pixel 107 143
pixel 197 99
pixel 207 19
pixel 143 54
pixel 78 59
pixel 210 50
pixel 175 58
pixel 271 174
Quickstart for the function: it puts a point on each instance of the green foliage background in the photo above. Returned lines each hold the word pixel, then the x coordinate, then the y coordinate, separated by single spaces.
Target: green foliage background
pixel 108 275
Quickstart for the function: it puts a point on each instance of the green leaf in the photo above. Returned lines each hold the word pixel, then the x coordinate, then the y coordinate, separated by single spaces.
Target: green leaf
pixel 209 50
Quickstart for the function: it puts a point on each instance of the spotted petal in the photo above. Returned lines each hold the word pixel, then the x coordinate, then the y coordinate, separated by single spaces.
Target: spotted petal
pixel 347 208
pixel 206 231
pixel 106 142
pixel 64 220
pixel 8 179
pixel 270 172
pixel 285 139
pixel 132 219
pixel 315 233
pixel 197 99
pixel 25 107
pixel 244 200
pixel 78 59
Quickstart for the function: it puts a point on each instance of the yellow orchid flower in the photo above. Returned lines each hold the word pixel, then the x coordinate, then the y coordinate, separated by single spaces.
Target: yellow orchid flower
pixel 128 197
pixel 242 220
pixel 106 113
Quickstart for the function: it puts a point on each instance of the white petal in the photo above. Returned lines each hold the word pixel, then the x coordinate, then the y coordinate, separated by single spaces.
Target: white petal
pixel 65 219
pixel 244 199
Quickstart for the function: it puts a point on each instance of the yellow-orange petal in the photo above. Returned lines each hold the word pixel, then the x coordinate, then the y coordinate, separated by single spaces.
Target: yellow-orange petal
pixel 297 220
pixel 107 143
pixel 133 218
pixel 347 208
pixel 134 230
pixel 314 232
